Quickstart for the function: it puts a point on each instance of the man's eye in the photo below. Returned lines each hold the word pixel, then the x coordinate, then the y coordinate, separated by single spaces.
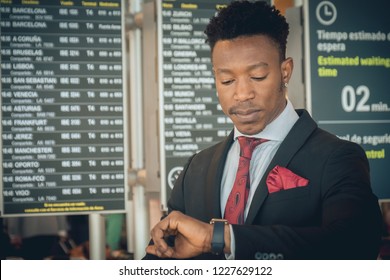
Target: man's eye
pixel 258 78
pixel 226 82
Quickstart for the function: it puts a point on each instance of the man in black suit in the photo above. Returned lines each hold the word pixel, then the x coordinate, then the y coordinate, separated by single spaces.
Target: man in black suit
pixel 308 193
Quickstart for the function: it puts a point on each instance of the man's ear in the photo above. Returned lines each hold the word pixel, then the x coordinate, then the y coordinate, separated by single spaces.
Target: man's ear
pixel 287 69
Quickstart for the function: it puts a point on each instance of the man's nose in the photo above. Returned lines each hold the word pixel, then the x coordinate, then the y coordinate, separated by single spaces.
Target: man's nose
pixel 243 91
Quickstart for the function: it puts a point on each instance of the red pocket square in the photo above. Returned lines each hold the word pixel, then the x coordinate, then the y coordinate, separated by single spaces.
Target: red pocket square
pixel 281 178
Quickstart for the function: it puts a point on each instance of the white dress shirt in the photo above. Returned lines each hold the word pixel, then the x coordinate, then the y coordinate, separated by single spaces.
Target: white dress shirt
pixel 275 132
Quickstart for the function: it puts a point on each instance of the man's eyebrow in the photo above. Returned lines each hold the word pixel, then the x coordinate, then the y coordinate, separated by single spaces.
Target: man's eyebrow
pixel 258 65
pixel 250 67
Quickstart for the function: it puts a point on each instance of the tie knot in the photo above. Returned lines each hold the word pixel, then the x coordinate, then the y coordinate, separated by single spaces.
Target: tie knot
pixel 248 145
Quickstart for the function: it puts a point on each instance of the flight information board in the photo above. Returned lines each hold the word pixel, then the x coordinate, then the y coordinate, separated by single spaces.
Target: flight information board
pixel 348 72
pixel 192 117
pixel 62 106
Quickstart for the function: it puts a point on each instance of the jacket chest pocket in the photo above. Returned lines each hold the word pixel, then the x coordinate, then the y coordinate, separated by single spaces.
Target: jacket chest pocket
pixel 290 207
pixel 291 194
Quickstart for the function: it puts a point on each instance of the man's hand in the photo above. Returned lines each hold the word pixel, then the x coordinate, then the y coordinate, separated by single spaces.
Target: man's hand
pixel 192 237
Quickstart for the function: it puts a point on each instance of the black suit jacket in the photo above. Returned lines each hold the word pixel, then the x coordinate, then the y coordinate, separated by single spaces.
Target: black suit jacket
pixel 335 217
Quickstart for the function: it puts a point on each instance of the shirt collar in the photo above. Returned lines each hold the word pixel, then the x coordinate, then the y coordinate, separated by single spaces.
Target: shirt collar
pixel 278 129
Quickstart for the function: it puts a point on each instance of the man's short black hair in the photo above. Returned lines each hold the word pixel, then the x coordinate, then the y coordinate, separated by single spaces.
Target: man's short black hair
pixel 245 18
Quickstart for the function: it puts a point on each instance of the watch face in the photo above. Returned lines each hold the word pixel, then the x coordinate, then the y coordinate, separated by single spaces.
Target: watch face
pixel 215 220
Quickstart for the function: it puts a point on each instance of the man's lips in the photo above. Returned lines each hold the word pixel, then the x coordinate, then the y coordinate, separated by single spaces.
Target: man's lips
pixel 245 114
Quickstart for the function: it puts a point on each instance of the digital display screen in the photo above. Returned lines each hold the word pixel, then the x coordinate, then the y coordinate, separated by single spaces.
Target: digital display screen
pixel 62 106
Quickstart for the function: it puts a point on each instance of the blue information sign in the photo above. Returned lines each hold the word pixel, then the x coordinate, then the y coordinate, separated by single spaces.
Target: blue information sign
pixel 348 71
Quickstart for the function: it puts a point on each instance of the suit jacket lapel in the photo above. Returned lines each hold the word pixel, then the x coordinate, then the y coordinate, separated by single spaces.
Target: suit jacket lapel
pixel 214 177
pixel 294 140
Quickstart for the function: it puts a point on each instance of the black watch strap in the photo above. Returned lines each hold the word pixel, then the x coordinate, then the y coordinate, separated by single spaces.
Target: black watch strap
pixel 218 240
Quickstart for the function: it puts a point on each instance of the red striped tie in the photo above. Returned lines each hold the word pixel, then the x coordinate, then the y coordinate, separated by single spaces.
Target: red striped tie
pixel 235 206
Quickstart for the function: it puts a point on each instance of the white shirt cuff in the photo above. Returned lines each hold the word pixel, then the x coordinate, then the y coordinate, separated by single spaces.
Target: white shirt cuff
pixel 231 256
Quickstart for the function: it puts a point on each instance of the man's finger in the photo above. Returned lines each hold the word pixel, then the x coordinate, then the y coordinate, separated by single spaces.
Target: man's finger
pixel 153 250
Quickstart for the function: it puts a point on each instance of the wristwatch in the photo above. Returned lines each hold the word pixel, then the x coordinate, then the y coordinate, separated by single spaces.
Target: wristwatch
pixel 218 240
